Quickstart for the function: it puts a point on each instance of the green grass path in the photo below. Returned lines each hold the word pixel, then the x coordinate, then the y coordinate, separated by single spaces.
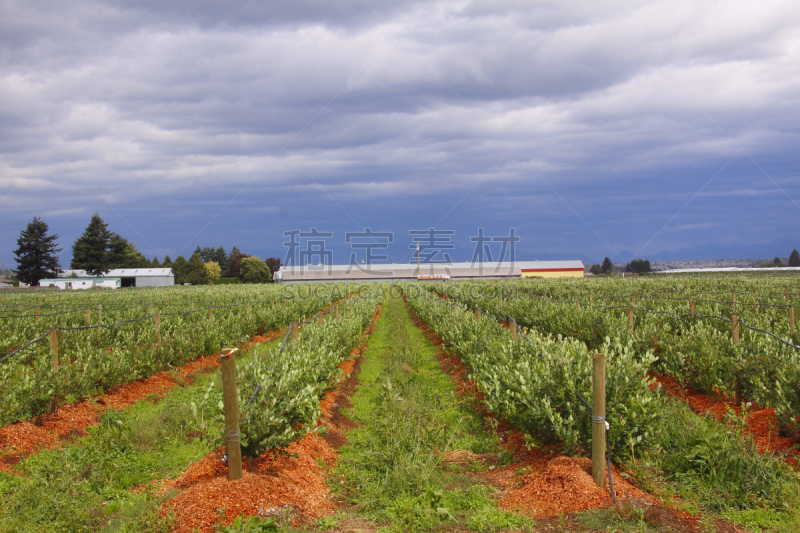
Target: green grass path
pixel 392 471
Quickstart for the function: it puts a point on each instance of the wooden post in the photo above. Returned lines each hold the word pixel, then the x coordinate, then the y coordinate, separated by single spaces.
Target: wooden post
pixel 791 319
pixel 54 346
pixel 455 305
pixel 37 313
pixel 691 306
pixel 99 312
pixel 737 382
pixel 513 331
pixel 19 308
pixel 210 314
pixel 336 311
pixel 273 304
pixel 478 315
pixel 598 419
pixel 158 326
pixel 229 399
pixel 294 331
pixel 248 308
pixel 630 319
pixel 321 319
pixel 284 302
pixel 88 316
pixel 192 305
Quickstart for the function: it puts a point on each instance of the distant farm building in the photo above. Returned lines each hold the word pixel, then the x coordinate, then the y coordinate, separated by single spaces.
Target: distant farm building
pixel 431 272
pixel 81 283
pixel 131 277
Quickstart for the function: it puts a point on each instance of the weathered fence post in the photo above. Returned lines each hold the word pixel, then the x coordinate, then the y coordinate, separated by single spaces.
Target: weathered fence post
pixel 791 319
pixel 192 308
pixel 231 408
pixel 599 419
pixel 248 308
pixel 513 327
pixel 321 319
pixel 336 312
pixel 630 319
pixel 210 313
pixel 478 315
pixel 737 382
pixel 158 327
pixel 54 346
pixel 691 306
pixel 37 313
pixel 99 312
pixel 294 331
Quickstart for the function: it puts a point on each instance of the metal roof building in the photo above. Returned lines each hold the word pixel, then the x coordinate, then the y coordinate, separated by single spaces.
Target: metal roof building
pixel 438 271
pixel 132 277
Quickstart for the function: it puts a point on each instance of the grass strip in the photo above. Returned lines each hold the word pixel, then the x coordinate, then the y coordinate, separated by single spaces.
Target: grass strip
pixel 393 470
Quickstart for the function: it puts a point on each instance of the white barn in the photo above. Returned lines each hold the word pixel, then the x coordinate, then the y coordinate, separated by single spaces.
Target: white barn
pixel 81 283
pixel 133 277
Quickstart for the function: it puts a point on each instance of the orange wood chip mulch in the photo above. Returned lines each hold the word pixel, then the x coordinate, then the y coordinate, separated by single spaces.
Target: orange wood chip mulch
pixel 71 420
pixel 545 485
pixel 541 483
pixel 270 485
pixel 760 423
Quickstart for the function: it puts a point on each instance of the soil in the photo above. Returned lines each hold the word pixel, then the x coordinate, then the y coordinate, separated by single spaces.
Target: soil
pixel 69 421
pixel 291 484
pixel 541 482
pixel 760 423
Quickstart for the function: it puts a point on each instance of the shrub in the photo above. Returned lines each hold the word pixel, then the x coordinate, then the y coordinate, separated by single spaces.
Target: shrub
pixel 254 270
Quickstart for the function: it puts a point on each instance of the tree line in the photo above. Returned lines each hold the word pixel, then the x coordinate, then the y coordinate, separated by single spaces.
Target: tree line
pixel 99 250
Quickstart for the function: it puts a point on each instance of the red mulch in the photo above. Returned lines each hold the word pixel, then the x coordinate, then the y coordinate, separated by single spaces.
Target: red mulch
pixel 760 423
pixel 269 484
pixel 541 482
pixel 70 421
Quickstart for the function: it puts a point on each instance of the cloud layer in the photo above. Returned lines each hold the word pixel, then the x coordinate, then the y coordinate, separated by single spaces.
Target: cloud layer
pixel 590 127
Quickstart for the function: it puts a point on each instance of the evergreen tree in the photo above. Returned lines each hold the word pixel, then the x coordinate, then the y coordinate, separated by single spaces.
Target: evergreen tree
pixel 91 250
pixel 638 266
pixel 36 255
pixel 794 259
pixel 154 263
pixel 221 258
pixel 777 262
pixel 196 272
pixel 179 270
pixel 167 262
pixel 123 254
pixel 606 266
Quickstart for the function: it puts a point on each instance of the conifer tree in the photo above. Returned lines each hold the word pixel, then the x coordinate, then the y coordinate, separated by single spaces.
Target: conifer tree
pixel 196 272
pixel 794 259
pixel 36 256
pixel 91 250
pixel 607 266
pixel 179 270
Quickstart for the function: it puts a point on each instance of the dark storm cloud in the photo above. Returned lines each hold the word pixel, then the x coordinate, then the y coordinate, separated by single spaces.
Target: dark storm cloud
pixel 588 125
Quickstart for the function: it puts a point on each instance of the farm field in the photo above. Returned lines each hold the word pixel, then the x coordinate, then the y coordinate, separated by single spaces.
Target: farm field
pixel 457 406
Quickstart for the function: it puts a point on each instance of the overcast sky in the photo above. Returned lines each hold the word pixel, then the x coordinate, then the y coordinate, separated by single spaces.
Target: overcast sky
pixel 620 129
